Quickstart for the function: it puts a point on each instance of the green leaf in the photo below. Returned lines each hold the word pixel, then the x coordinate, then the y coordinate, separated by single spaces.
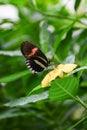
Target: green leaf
pixel 64 46
pixel 77 70
pixel 12 113
pixel 62 89
pixel 34 89
pixel 61 35
pixel 26 100
pixel 10 53
pixel 13 77
pixel 77 3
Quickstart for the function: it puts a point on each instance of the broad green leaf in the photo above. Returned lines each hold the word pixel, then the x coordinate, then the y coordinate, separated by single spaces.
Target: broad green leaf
pixel 62 89
pixel 25 100
pixel 13 77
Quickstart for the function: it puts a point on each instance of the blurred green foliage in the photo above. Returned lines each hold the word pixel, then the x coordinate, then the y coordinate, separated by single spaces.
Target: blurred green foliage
pixel 61 34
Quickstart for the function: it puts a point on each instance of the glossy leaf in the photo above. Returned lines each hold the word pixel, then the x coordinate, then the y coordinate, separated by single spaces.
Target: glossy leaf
pixel 62 89
pixel 30 99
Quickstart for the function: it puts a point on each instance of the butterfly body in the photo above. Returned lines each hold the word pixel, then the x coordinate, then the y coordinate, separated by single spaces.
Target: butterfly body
pixel 36 61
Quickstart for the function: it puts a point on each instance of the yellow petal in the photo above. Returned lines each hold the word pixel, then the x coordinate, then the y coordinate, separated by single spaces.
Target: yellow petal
pixel 52 75
pixel 67 68
pixel 57 72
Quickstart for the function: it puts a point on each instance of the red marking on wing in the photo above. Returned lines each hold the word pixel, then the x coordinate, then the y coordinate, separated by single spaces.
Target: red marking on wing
pixel 33 51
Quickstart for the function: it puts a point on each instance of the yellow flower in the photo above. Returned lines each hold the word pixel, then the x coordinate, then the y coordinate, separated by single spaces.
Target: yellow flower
pixel 57 72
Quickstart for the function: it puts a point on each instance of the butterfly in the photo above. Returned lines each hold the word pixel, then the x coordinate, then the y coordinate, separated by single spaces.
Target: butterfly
pixel 36 61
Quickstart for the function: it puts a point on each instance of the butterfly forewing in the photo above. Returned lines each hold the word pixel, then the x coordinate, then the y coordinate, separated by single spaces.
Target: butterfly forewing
pixel 36 61
pixel 26 48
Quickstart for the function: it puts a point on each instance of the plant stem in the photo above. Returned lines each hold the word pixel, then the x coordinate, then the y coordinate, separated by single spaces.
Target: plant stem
pixel 77 99
pixel 77 123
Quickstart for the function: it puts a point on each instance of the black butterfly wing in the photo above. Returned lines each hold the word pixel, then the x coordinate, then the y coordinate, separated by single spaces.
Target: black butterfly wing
pixel 36 61
pixel 26 48
pixel 36 64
